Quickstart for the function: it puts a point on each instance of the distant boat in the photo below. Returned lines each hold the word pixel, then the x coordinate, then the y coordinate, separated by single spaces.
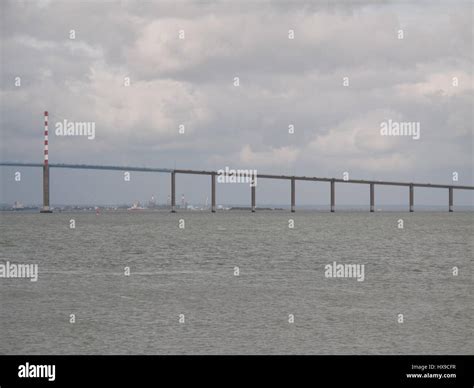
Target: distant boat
pixel 136 206
pixel 18 206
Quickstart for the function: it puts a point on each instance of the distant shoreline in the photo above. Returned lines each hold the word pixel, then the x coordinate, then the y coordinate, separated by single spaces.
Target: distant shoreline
pixel 322 209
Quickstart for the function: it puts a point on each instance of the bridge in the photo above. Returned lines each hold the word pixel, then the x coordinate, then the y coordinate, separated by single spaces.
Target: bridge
pixel 332 181
pixel 213 174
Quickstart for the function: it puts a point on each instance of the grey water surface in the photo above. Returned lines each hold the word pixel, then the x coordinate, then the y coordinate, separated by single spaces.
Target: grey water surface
pixel 190 271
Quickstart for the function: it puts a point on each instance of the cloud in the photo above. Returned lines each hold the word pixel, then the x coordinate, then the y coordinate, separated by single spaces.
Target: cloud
pixel 360 135
pixel 278 156
pixel 282 82
pixel 449 83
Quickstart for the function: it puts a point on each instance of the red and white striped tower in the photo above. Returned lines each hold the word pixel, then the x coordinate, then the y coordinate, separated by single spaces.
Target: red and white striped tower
pixel 46 138
pixel 46 208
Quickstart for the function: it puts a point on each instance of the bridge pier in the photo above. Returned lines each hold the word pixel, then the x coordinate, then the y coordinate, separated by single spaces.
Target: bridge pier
pixel 293 195
pixel 213 192
pixel 46 208
pixel 333 196
pixel 173 192
pixel 451 200
pixel 252 189
pixel 412 195
pixel 372 197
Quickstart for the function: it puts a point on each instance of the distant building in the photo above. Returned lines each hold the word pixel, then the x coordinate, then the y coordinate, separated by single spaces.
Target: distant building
pixel 152 202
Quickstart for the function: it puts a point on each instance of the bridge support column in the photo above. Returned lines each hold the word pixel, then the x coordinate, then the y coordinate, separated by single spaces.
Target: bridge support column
pixel 372 198
pixel 252 189
pixel 213 192
pixel 451 200
pixel 412 195
pixel 293 195
pixel 333 196
pixel 173 192
pixel 46 208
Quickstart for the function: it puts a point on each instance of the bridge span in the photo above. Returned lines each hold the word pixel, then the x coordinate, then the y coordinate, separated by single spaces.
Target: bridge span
pixel 213 174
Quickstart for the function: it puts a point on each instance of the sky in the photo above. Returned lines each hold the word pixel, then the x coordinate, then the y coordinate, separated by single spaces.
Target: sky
pixel 334 71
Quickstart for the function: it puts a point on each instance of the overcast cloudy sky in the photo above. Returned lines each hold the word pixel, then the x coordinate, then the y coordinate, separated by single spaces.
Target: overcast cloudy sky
pixel 425 78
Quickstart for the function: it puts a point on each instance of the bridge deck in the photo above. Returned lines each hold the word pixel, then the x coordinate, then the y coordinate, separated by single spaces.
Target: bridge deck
pixel 259 176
